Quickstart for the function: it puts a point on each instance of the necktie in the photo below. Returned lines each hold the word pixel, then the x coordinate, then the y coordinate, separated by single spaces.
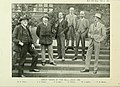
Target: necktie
pixel 46 24
pixel 95 24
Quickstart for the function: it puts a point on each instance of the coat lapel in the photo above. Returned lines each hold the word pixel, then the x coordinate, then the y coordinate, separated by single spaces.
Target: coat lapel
pixel 97 28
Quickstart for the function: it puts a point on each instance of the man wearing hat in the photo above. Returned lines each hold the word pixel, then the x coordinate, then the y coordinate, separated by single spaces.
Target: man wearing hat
pixel 23 42
pixel 97 34
pixel 44 32
pixel 71 19
pixel 81 31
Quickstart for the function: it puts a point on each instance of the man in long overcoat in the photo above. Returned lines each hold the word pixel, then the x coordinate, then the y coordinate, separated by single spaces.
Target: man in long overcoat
pixel 23 43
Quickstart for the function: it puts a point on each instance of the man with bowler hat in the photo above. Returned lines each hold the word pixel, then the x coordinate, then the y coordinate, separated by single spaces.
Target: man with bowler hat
pixel 23 41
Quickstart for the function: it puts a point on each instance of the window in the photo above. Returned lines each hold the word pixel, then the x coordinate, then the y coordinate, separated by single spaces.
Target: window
pixel 45 5
pixel 45 9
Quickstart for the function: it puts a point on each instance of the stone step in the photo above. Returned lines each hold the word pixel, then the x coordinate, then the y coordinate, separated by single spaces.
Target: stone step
pixel 69 67
pixel 70 56
pixel 55 47
pixel 63 74
pixel 72 51
pixel 69 61
pixel 66 69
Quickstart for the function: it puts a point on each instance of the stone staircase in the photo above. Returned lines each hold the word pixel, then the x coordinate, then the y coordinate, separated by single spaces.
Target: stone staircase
pixel 67 68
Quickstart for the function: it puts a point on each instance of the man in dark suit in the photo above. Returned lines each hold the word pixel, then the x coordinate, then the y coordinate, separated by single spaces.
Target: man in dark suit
pixel 44 32
pixel 24 43
pixel 61 28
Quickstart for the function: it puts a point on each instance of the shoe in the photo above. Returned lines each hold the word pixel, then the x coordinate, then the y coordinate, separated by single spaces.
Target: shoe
pixel 52 63
pixel 57 57
pixel 34 70
pixel 95 72
pixel 83 58
pixel 43 63
pixel 22 76
pixel 63 59
pixel 85 70
pixel 72 48
pixel 66 49
pixel 75 58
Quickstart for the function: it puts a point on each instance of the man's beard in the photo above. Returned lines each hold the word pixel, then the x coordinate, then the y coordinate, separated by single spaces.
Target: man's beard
pixel 25 24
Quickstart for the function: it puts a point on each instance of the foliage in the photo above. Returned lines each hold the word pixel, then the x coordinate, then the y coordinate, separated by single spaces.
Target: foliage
pixel 90 10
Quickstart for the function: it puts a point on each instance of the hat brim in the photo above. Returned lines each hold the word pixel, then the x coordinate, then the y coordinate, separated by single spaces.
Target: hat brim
pixel 45 17
pixel 97 17
pixel 24 19
pixel 82 15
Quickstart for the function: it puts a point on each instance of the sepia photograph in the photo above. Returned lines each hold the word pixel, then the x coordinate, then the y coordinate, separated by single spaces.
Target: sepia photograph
pixel 60 40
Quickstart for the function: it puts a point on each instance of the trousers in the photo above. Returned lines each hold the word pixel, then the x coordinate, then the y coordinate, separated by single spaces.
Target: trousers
pixel 70 34
pixel 96 46
pixel 27 48
pixel 50 52
pixel 61 45
pixel 80 36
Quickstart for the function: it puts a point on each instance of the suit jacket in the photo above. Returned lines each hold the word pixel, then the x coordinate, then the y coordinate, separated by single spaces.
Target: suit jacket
pixel 71 19
pixel 44 33
pixel 19 35
pixel 97 33
pixel 82 25
pixel 62 27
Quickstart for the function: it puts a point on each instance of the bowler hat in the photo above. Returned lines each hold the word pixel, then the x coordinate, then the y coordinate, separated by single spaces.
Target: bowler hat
pixel 23 18
pixel 45 17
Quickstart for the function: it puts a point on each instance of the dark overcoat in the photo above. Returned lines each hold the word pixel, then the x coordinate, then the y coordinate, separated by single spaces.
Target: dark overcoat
pixel 62 27
pixel 18 35
pixel 45 34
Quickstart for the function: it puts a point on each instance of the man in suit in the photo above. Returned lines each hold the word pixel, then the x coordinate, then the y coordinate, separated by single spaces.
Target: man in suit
pixel 71 19
pixel 97 33
pixel 24 43
pixel 61 27
pixel 44 32
pixel 81 31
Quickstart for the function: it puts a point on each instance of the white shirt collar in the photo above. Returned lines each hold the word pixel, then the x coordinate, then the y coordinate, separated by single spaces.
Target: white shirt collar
pixel 71 14
pixel 98 23
pixel 82 19
pixel 45 23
